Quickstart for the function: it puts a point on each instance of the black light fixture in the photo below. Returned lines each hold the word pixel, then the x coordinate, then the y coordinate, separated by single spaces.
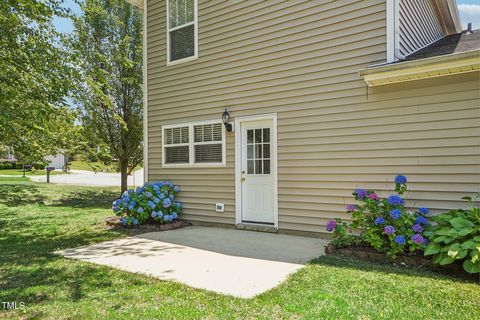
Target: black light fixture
pixel 225 119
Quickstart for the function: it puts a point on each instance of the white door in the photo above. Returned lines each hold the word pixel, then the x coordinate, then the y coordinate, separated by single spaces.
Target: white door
pixel 257 172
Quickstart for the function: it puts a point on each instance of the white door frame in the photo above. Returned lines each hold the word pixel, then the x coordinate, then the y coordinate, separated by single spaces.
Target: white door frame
pixel 238 164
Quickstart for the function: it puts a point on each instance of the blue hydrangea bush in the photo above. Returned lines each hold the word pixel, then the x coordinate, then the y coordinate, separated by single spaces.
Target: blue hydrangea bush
pixel 154 202
pixel 385 223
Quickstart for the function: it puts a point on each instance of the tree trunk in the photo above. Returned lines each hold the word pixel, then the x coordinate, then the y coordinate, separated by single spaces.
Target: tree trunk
pixel 124 174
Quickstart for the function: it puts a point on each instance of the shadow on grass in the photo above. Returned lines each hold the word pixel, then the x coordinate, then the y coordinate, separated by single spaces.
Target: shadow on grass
pixel 338 260
pixel 27 262
pixel 87 199
pixel 20 194
pixel 25 194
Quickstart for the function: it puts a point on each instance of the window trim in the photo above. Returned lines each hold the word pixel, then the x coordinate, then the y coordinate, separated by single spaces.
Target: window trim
pixel 191 145
pixel 195 33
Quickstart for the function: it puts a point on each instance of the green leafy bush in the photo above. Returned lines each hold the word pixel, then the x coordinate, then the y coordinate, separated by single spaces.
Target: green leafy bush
pixel 385 224
pixel 456 236
pixel 341 236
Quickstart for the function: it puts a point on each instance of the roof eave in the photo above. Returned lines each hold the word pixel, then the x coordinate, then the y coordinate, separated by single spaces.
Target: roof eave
pixel 422 69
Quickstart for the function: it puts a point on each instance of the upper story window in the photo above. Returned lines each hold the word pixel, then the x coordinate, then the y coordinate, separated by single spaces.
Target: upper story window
pixel 182 43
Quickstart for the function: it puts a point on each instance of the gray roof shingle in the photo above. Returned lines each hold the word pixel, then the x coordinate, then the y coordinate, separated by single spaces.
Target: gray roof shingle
pixel 454 43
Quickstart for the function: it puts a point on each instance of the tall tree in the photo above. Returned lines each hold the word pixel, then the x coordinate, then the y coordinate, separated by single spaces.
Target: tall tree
pixel 108 46
pixel 34 77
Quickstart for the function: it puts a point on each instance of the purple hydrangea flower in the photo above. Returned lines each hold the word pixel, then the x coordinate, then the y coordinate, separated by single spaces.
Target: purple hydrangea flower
pixel 171 197
pixel 421 220
pixel 395 200
pixel 159 214
pixel 417 228
pixel 395 214
pixel 148 194
pixel 373 196
pixel 166 203
pixel 425 241
pixel 361 193
pixel 351 208
pixel 423 210
pixel 176 188
pixel 140 210
pixel 123 221
pixel 389 229
pixel 400 179
pixel 400 240
pixel 135 221
pixel 154 214
pixel 379 220
pixel 331 225
pixel 162 196
pixel 417 238
pixel 156 200
pixel 151 204
pixel 174 215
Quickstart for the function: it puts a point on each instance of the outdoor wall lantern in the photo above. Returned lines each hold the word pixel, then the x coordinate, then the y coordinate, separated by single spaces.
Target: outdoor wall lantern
pixel 225 119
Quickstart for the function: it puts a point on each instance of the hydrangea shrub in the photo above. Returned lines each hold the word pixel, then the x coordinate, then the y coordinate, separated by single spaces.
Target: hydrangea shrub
pixel 154 202
pixel 385 223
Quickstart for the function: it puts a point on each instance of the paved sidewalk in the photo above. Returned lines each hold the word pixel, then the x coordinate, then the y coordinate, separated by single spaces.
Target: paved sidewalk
pixel 89 178
pixel 234 262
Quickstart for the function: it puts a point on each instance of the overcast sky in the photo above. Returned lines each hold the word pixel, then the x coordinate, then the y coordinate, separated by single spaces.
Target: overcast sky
pixel 469 12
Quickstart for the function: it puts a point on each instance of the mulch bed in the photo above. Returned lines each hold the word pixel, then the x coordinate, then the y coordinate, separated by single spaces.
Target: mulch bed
pixel 113 223
pixel 415 259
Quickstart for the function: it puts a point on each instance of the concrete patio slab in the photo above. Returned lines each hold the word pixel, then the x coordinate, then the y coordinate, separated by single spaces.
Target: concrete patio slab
pixel 233 262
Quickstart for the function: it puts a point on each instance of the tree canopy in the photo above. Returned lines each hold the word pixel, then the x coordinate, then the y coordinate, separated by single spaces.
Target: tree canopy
pixel 108 51
pixel 35 78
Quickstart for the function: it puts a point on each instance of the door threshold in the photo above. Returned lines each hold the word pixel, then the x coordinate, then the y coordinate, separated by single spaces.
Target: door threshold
pixel 255 226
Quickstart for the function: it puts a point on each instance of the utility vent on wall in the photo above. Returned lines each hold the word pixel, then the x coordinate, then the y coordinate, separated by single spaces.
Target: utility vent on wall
pixel 219 207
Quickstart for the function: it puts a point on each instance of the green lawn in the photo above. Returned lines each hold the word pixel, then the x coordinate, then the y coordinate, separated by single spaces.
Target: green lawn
pixel 98 167
pixel 19 172
pixel 36 219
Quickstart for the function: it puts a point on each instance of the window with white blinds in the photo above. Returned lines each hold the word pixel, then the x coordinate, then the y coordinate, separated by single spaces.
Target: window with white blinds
pixel 195 144
pixel 176 142
pixel 182 30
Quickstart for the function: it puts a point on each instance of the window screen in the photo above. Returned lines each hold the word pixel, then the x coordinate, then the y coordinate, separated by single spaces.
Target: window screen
pixel 208 143
pixel 176 145
pixel 181 31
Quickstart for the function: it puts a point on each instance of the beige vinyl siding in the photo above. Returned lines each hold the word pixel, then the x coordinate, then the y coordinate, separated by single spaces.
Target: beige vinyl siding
pixel 300 59
pixel 418 25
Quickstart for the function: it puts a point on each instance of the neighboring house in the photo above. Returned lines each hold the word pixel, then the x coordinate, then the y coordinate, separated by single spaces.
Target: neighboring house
pixel 58 161
pixel 324 96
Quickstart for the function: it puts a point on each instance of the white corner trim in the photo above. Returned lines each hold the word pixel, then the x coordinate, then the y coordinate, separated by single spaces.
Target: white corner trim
pixel 145 95
pixel 195 32
pixel 238 163
pixel 390 31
